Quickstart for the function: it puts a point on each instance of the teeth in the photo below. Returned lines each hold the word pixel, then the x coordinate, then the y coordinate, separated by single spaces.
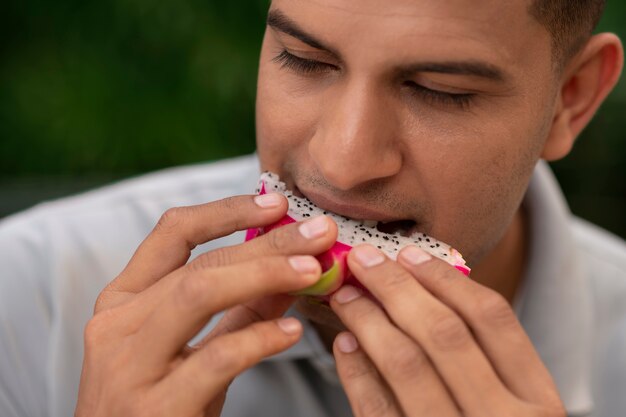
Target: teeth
pixel 370 223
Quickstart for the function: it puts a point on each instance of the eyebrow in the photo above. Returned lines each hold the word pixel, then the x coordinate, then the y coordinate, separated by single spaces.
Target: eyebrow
pixel 277 20
pixel 472 68
pixel 280 22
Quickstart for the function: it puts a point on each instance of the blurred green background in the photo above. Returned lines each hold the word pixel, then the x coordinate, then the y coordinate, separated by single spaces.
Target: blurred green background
pixel 91 92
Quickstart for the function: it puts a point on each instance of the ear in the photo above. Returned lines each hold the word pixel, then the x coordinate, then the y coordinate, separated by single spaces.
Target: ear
pixel 587 81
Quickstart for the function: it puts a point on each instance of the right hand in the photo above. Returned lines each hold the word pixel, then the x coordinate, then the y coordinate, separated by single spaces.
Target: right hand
pixel 136 359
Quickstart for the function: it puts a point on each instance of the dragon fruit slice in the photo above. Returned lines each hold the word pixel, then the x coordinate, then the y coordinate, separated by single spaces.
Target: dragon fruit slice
pixel 351 233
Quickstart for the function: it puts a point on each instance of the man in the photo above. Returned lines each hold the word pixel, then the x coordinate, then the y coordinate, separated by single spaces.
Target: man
pixel 430 113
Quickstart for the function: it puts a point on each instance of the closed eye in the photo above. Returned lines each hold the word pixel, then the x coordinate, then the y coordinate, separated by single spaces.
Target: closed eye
pixel 461 100
pixel 302 65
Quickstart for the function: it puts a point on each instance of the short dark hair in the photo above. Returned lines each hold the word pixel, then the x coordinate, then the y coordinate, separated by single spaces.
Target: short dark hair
pixel 570 22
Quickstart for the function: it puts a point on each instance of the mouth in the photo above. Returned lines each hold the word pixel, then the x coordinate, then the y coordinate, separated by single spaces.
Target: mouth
pixel 383 222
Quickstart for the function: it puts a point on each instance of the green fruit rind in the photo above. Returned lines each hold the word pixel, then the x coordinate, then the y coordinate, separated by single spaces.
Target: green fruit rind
pixel 328 282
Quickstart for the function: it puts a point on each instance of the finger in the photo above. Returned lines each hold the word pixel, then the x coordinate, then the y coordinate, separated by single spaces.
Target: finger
pixel 366 390
pixel 181 229
pixel 402 363
pixel 242 315
pixel 492 321
pixel 202 294
pixel 207 372
pixel 308 238
pixel 440 332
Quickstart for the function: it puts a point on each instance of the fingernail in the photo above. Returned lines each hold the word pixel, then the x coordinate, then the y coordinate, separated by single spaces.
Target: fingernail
pixel 368 256
pixel 304 264
pixel 289 325
pixel 347 343
pixel 415 255
pixel 268 200
pixel 347 294
pixel 314 228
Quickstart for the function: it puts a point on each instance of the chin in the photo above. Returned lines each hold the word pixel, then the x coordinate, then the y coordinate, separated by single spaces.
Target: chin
pixel 319 312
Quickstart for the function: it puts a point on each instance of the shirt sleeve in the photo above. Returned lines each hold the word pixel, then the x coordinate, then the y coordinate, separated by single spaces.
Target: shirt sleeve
pixel 25 318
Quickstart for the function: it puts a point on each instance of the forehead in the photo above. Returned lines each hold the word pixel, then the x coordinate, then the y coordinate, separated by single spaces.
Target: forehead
pixel 501 32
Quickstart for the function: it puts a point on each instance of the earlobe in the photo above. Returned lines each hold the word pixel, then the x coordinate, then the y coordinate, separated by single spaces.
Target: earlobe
pixel 561 138
pixel 586 83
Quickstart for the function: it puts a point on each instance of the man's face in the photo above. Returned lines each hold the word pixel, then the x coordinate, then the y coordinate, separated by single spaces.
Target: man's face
pixel 430 111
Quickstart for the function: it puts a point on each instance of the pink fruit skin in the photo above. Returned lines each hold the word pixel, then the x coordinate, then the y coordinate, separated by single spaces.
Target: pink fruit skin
pixel 337 253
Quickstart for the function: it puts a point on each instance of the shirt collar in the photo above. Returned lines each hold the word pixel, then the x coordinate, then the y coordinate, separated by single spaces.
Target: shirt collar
pixel 553 303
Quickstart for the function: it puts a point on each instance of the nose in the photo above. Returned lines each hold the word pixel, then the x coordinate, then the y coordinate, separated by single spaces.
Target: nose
pixel 355 141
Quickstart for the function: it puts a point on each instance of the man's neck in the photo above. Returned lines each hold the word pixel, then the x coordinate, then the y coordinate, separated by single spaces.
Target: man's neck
pixel 503 268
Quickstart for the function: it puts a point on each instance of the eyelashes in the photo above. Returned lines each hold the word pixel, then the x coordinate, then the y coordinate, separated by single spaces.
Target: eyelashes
pixel 302 65
pixel 462 101
pixel 309 67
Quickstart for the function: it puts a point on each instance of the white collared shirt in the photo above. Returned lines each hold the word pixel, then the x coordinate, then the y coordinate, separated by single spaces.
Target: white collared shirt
pixel 57 257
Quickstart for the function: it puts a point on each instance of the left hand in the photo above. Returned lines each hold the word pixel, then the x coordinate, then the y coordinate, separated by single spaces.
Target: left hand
pixel 439 344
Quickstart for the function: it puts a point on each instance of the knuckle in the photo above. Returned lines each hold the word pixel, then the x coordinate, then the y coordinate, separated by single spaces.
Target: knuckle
pixel 278 240
pixel 375 405
pixel 96 330
pixel 190 292
pixel 405 364
pixel 495 311
pixel 398 277
pixel 92 333
pixel 103 300
pixel 448 332
pixel 222 357
pixel 232 212
pixel 215 258
pixel 357 370
pixel 171 219
pixel 365 312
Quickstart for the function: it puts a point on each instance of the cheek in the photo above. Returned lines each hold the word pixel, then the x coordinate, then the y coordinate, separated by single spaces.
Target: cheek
pixel 476 176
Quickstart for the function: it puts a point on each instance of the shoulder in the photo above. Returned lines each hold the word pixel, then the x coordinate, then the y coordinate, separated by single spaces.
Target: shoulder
pixel 96 232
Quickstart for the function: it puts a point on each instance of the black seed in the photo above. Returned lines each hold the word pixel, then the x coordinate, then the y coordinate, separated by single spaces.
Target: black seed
pixel 379 247
pixel 432 246
pixel 384 237
pixel 437 244
pixel 427 240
